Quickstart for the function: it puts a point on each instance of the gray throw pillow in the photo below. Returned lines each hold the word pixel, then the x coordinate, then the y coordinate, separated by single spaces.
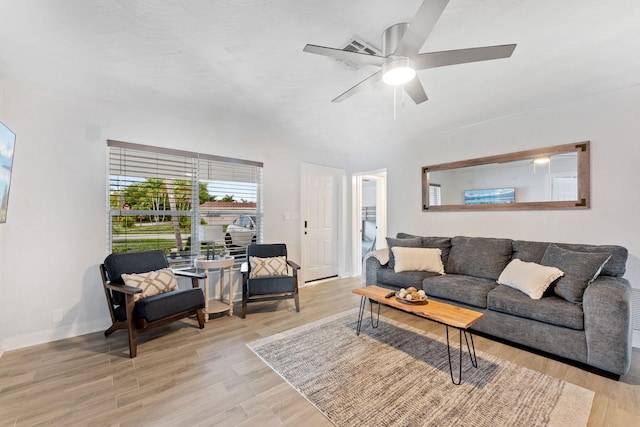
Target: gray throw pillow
pixel 442 243
pixel 580 269
pixel 415 242
pixel 483 257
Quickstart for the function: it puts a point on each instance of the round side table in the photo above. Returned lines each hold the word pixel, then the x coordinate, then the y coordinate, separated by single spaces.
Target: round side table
pixel 216 305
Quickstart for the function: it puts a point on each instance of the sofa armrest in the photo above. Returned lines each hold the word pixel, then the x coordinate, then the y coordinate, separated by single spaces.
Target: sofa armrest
pixel 372 266
pixel 607 324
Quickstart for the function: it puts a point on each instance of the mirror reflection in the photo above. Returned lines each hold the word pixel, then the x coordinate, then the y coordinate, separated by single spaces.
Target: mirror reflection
pixel 548 178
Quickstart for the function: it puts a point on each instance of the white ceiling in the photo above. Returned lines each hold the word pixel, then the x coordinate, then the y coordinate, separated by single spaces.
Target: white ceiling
pixel 204 58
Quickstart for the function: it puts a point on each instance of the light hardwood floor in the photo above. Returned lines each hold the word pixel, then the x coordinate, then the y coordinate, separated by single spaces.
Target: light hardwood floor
pixel 184 376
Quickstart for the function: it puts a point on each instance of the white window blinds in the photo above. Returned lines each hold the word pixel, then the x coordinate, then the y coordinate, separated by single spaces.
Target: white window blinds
pixel 158 199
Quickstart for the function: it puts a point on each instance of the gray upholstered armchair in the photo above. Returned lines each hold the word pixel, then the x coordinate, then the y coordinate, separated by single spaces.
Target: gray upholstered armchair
pixel 154 301
pixel 265 275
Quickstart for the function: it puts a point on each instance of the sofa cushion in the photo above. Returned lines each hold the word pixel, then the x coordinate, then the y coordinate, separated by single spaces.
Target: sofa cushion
pixel 442 243
pixel 529 277
pixel 534 251
pixel 614 267
pixel 404 279
pixel 412 242
pixel 552 309
pixel 270 285
pixel 417 259
pixel 464 289
pixel 479 256
pixel 160 306
pixel 406 236
pixel 580 269
pixel 529 251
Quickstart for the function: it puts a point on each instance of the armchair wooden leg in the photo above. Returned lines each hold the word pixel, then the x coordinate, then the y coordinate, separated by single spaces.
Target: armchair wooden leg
pixel 297 300
pixel 133 343
pixel 200 315
pixel 245 295
pixel 131 328
pixel 111 330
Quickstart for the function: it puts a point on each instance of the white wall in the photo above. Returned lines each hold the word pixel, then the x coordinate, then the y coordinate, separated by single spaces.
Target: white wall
pixel 610 121
pixel 56 236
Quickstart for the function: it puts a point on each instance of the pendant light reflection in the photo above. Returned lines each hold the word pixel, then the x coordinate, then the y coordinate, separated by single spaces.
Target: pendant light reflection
pixel 541 161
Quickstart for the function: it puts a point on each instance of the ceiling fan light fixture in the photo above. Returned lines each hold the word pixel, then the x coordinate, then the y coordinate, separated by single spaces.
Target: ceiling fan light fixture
pixel 398 72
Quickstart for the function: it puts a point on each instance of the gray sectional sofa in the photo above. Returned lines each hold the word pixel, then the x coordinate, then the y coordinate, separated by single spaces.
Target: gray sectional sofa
pixel 588 321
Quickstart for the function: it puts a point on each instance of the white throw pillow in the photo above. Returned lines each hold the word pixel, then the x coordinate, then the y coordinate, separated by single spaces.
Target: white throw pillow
pixel 152 283
pixel 417 259
pixel 531 278
pixel 270 266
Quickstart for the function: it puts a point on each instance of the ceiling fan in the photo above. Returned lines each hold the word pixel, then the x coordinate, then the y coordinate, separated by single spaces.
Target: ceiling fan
pixel 400 58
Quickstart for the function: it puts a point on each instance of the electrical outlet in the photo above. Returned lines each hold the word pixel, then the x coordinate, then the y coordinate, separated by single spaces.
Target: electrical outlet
pixel 56 315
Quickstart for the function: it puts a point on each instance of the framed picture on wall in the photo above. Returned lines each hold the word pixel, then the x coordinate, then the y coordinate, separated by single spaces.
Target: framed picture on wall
pixel 489 196
pixel 7 145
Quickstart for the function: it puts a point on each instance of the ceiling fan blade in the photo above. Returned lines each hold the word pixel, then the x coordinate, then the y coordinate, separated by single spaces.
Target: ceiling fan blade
pixel 420 27
pixel 365 84
pixel 415 90
pixel 345 55
pixel 443 58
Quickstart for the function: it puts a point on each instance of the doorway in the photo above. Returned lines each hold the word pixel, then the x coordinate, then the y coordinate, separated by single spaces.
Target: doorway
pixel 369 216
pixel 322 222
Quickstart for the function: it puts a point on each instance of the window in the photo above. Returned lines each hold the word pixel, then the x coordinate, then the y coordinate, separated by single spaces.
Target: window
pixel 159 198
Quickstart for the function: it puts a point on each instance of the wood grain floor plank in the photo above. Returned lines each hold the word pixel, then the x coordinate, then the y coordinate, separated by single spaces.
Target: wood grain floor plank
pixel 186 376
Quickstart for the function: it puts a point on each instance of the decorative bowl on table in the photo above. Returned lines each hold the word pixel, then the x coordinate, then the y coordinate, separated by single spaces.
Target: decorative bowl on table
pixel 412 296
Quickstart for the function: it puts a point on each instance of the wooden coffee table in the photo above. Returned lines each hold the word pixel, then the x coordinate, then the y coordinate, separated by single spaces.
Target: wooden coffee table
pixel 447 314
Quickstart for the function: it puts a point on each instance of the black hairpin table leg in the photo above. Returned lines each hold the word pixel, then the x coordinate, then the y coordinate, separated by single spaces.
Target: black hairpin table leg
pixel 363 304
pixel 470 349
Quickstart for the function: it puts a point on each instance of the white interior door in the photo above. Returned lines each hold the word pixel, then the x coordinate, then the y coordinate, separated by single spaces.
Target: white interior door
pixel 320 199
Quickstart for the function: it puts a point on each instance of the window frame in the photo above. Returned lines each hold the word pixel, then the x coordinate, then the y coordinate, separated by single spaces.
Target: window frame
pixel 195 213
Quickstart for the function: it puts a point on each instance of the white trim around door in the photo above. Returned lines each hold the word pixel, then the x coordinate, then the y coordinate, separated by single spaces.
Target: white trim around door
pixel 379 177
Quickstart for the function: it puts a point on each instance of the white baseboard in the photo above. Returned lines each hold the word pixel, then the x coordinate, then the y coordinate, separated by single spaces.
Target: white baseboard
pixel 54 334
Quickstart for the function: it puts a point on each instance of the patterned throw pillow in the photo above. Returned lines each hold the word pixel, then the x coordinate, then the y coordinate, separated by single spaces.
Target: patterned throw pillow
pixel 271 266
pixel 152 283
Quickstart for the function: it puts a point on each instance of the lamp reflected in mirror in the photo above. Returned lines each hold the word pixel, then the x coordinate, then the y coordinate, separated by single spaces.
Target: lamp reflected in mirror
pixel 541 161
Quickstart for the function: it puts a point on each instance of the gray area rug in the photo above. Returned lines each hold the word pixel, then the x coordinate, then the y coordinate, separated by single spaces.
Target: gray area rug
pixel 397 375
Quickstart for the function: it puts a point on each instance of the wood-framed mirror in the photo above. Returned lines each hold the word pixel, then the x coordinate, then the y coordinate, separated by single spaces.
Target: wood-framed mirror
pixel 555 177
